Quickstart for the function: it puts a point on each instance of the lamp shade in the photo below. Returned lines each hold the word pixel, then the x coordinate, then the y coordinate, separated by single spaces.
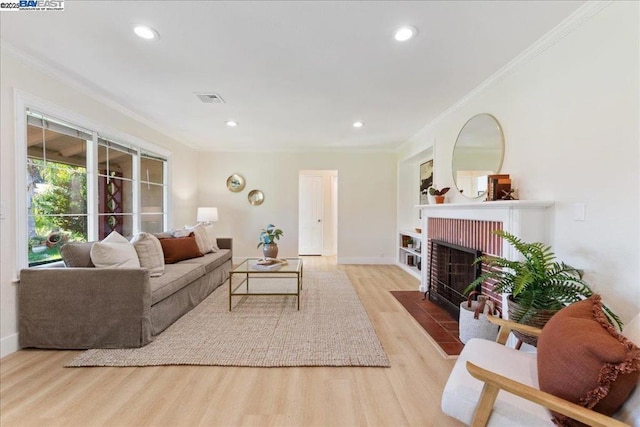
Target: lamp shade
pixel 207 215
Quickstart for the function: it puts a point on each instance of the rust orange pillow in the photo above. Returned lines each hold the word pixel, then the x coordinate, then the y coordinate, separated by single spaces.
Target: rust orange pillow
pixel 179 248
pixel 583 359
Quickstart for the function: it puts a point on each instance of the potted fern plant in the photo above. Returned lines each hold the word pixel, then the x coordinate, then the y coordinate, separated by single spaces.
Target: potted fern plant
pixel 538 285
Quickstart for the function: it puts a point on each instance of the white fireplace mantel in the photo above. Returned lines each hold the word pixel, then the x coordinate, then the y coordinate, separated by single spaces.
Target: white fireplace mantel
pixel 527 219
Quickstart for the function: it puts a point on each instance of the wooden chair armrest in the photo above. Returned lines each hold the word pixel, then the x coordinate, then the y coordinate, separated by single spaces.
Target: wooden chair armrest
pixel 506 326
pixel 495 382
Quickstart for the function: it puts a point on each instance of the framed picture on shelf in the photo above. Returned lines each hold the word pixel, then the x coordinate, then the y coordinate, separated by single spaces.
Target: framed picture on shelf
pixel 426 180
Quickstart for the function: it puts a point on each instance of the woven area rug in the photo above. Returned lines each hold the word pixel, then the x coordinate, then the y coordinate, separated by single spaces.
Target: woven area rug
pixel 330 329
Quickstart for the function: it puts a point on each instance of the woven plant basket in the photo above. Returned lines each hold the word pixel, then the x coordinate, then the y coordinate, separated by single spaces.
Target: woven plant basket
pixel 538 320
pixel 473 322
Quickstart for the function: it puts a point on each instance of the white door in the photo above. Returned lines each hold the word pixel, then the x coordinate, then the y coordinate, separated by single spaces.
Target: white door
pixel 310 215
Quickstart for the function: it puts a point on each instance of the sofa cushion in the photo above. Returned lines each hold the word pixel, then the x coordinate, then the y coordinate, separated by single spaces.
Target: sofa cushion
pixel 583 359
pixel 149 252
pixel 179 248
pixel 202 238
pixel 211 233
pixel 175 277
pixel 211 261
pixel 164 235
pixel 114 251
pixel 77 254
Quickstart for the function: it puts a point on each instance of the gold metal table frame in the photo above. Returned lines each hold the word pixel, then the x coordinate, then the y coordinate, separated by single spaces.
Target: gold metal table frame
pixel 247 268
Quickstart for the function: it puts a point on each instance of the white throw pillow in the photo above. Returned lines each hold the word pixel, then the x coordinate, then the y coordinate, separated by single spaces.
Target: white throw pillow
pixel 181 232
pixel 202 238
pixel 114 252
pixel 212 238
pixel 149 252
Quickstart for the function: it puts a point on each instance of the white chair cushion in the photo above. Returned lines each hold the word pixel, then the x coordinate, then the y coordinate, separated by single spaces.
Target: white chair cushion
pixel 462 392
pixel 630 411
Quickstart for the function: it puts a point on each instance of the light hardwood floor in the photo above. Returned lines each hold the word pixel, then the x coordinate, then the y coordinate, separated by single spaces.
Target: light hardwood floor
pixel 35 390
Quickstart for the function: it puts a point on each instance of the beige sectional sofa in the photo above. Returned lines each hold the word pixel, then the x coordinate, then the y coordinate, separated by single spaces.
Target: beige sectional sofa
pixel 87 307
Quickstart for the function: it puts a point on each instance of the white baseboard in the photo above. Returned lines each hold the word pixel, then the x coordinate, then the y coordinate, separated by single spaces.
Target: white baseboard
pixel 9 345
pixel 365 260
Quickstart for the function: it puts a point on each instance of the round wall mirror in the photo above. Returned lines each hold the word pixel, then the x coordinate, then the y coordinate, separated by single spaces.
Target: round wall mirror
pixel 478 152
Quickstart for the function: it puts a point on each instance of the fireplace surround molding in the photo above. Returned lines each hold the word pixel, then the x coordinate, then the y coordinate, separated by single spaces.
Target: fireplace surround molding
pixel 528 219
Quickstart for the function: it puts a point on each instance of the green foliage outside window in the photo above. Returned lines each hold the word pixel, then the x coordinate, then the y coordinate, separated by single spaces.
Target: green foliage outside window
pixel 58 208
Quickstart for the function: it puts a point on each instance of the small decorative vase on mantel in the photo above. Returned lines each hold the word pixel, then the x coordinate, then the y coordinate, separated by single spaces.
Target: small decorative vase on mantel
pixel 270 250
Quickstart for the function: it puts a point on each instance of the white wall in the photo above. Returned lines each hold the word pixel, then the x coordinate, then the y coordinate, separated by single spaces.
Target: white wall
pixel 16 74
pixel 366 194
pixel 571 121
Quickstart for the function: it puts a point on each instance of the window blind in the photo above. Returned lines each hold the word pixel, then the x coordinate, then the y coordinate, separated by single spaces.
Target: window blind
pixel 41 121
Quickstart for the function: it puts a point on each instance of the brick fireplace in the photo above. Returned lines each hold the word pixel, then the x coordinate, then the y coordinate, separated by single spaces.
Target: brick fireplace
pixel 465 236
pixel 470 225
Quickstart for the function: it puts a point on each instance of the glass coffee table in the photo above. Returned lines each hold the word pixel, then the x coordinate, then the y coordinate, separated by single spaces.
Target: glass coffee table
pixel 256 278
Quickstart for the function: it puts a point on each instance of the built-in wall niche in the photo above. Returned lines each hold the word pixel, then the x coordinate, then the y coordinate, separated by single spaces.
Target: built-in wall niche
pixel 410 252
pixel 409 182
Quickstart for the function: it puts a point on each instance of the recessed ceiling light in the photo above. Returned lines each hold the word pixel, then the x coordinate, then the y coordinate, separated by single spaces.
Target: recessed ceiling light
pixel 405 33
pixel 358 124
pixel 145 32
pixel 231 123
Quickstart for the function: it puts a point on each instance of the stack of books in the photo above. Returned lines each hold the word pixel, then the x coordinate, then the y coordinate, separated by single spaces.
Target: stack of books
pixel 270 263
pixel 498 186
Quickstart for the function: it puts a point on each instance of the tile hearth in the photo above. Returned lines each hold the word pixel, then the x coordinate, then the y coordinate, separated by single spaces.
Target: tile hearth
pixel 434 320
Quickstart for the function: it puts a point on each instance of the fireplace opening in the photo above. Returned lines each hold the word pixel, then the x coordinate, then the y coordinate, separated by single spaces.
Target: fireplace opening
pixel 451 270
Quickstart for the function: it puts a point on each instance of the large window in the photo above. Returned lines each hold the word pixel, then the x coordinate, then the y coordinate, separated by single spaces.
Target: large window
pixel 56 187
pixel 81 186
pixel 152 192
pixel 115 188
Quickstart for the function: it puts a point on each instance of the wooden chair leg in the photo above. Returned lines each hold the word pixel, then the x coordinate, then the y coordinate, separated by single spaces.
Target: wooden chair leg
pixel 518 344
pixel 485 405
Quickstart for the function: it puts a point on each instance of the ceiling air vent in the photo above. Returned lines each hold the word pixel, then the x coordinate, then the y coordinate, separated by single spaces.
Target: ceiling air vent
pixel 210 98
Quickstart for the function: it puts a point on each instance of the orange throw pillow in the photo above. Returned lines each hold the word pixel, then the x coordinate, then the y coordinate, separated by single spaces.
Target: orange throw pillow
pixel 583 359
pixel 180 248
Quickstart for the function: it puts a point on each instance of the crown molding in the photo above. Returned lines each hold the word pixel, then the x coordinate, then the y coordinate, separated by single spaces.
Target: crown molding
pixel 556 34
pixel 87 88
pixel 298 150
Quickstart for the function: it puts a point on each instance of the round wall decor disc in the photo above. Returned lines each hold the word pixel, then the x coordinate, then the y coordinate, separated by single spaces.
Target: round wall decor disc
pixel 256 197
pixel 235 183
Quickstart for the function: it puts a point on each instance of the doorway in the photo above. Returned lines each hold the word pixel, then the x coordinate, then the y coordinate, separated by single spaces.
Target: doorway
pixel 318 212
